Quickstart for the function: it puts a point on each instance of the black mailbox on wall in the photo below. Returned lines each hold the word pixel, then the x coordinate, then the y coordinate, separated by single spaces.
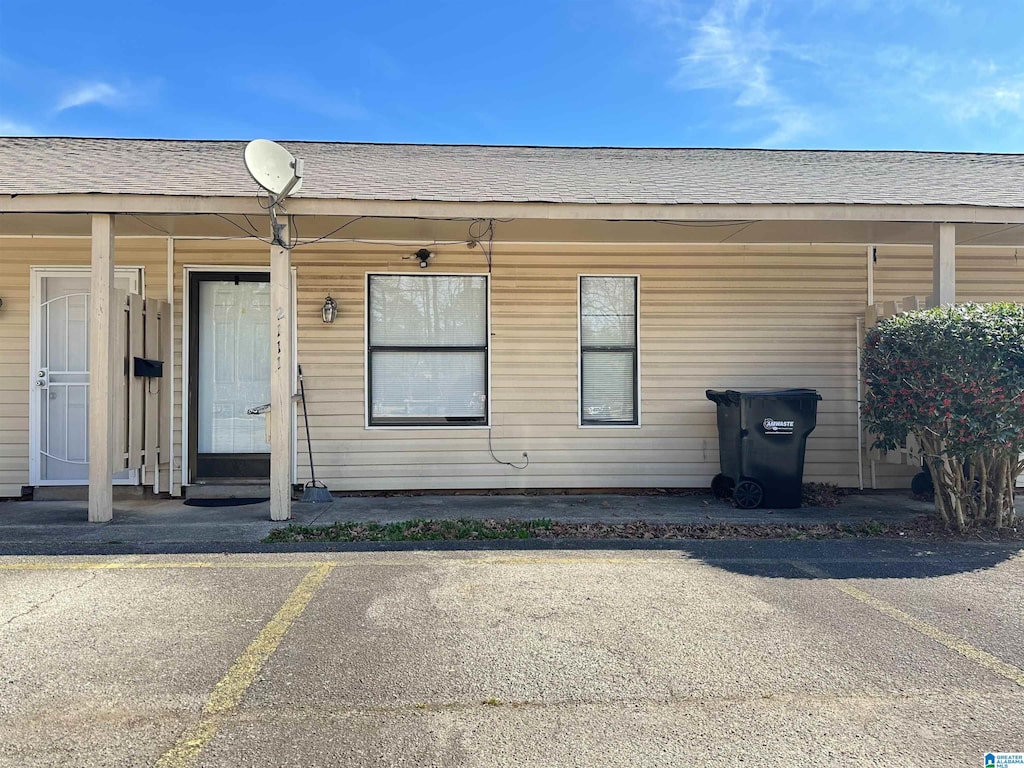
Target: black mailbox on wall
pixel 149 369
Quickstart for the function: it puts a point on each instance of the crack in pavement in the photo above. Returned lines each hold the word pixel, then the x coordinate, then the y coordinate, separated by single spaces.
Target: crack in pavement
pixel 90 577
pixel 168 713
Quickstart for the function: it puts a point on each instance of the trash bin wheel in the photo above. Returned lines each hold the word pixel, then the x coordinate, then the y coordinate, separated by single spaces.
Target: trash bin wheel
pixel 721 486
pixel 748 494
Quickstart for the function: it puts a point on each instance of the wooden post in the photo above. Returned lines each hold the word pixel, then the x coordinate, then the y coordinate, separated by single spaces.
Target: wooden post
pixel 282 380
pixel 944 265
pixel 136 385
pixel 166 417
pixel 119 382
pixel 872 315
pixel 151 396
pixel 167 410
pixel 103 315
pixel 871 274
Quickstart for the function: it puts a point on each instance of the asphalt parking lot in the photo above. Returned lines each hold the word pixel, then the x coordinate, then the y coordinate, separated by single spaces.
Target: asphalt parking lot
pixel 778 653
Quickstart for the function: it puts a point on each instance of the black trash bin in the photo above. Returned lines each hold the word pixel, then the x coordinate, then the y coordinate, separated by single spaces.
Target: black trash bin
pixel 761 442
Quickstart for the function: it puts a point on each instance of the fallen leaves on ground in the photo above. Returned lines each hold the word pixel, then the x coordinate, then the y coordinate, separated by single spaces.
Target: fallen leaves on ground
pixel 465 529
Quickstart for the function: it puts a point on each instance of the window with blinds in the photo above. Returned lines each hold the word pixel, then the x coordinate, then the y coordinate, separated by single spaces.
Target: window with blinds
pixel 608 350
pixel 427 358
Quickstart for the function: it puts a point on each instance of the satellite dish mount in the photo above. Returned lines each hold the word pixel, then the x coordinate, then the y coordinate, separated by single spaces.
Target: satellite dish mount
pixel 275 169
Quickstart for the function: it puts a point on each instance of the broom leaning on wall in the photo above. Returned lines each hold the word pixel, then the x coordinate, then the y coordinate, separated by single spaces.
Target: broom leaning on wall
pixel 314 492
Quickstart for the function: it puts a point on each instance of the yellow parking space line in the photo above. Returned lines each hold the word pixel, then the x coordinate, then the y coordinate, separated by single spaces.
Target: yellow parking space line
pixel 229 691
pixel 94 566
pixel 144 566
pixel 583 559
pixel 952 642
pixel 561 559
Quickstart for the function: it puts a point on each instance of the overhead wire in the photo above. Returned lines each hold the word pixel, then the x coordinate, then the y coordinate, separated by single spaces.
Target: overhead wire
pixel 151 226
pixel 478 239
pixel 989 234
pixel 706 224
pixel 242 229
pixel 481 235
pixel 332 232
pixel 251 225
pixel 731 235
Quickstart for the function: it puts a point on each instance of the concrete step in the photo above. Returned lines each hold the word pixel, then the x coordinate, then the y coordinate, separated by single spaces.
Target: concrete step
pixel 235 489
pixel 81 492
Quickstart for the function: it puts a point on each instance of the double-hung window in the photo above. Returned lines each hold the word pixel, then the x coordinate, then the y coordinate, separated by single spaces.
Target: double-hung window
pixel 427 355
pixel 609 390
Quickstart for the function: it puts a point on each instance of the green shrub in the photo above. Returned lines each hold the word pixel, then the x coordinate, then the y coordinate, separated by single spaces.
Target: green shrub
pixel 954 378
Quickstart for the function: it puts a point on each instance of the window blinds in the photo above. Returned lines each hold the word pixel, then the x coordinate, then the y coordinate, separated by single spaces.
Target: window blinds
pixel 608 343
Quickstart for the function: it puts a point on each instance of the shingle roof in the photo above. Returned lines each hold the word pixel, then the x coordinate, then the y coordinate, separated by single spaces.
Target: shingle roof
pixel 31 166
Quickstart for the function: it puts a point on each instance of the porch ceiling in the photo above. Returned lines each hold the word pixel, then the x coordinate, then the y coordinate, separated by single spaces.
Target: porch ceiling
pixel 427 231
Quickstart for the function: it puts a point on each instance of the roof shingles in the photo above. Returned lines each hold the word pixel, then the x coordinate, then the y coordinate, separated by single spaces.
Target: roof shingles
pixel 42 166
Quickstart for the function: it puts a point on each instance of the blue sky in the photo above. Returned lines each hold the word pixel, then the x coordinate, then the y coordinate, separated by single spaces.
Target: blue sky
pixel 845 74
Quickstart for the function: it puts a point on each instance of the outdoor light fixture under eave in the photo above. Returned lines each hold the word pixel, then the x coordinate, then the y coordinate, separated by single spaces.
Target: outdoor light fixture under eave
pixel 423 254
pixel 330 310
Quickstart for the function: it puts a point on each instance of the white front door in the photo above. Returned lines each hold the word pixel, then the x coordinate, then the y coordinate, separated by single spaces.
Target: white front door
pixel 59 400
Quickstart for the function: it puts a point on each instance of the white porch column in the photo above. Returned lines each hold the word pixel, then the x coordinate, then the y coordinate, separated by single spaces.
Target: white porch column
pixel 282 380
pixel 101 434
pixel 944 265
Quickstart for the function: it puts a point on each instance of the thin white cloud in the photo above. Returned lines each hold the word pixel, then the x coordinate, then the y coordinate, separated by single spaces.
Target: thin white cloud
pixel 935 8
pixel 91 93
pixel 991 103
pixel 984 67
pixel 668 14
pixel 732 49
pixel 786 85
pixel 10 127
pixel 981 91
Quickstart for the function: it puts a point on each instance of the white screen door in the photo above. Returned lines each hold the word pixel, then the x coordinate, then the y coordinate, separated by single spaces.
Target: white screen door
pixel 60 376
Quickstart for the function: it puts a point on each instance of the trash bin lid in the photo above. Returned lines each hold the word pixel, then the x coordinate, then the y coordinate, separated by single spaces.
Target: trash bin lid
pixel 733 396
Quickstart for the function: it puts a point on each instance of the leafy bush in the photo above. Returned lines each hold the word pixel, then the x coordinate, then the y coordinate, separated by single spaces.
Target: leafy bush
pixel 954 378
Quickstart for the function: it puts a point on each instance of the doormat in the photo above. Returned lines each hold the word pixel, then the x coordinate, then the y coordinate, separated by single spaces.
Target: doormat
pixel 224 502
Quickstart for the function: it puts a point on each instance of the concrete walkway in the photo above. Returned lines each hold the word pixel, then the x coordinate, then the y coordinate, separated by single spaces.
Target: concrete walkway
pixel 168 525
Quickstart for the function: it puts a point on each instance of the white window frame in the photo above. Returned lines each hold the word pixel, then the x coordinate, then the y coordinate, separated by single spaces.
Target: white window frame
pixel 366 353
pixel 579 354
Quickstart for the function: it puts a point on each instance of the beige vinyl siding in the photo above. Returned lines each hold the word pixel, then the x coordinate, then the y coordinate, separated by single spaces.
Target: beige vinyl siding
pixel 713 317
pixel 17 257
pixel 982 274
pixel 710 317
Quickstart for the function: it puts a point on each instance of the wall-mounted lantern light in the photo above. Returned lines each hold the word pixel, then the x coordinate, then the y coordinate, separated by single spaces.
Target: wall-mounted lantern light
pixel 330 310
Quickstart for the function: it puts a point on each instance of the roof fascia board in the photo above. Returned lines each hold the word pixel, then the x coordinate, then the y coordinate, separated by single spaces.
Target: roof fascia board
pixel 179 205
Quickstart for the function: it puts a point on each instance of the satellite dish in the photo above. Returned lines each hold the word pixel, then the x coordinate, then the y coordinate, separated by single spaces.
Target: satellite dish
pixel 273 168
